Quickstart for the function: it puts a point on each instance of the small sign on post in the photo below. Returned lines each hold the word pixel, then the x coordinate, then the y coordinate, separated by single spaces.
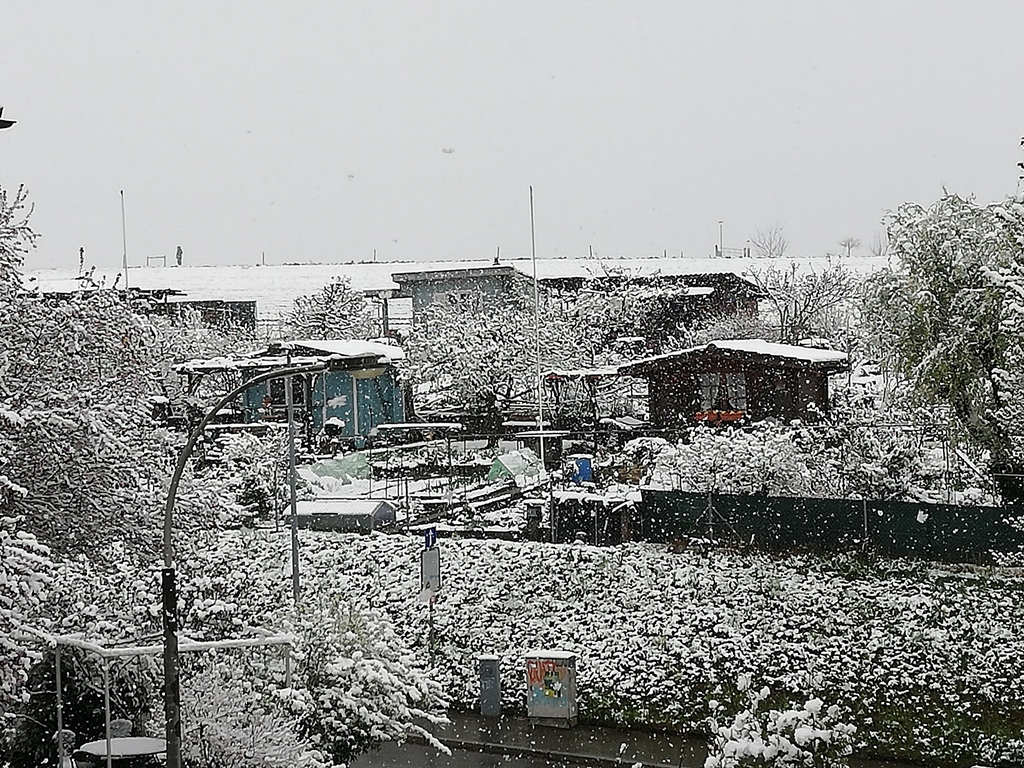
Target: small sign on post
pixel 430 582
pixel 430 570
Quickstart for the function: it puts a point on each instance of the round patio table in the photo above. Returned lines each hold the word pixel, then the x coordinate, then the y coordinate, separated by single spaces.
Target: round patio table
pixel 125 749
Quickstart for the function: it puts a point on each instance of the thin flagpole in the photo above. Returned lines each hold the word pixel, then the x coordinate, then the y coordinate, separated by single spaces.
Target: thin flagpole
pixel 124 240
pixel 536 333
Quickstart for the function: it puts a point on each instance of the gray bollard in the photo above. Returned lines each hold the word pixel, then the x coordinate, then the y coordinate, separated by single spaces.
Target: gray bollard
pixel 490 685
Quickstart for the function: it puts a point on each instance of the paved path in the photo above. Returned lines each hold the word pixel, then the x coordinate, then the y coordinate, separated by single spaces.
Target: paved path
pixel 424 756
pixel 589 744
pixel 514 742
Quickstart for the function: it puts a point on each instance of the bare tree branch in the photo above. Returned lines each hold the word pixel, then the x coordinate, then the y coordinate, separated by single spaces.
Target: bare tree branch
pixel 879 246
pixel 803 302
pixel 770 241
pixel 849 243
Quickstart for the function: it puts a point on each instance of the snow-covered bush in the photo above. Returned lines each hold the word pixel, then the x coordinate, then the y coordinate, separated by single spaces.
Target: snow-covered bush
pixel 227 722
pixel 251 473
pixel 812 735
pixel 837 459
pixel 358 683
pixel 761 459
pixel 917 654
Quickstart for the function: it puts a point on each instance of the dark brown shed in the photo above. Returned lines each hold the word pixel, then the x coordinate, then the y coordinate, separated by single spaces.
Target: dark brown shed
pixel 737 379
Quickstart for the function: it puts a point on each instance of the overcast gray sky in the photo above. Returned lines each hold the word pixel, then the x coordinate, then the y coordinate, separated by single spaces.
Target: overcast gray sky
pixel 316 131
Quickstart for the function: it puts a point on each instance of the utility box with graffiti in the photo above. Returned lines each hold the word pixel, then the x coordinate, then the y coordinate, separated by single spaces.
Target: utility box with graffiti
pixel 551 688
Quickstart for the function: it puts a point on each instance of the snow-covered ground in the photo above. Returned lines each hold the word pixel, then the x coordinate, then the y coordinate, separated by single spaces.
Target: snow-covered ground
pixel 275 287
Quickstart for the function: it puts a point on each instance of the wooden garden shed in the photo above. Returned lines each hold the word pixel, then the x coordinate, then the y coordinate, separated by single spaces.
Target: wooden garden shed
pixel 360 392
pixel 738 379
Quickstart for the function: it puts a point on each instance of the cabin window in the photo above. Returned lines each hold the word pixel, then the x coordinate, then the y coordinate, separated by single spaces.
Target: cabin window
pixel 723 391
pixel 709 390
pixel 736 388
pixel 277 393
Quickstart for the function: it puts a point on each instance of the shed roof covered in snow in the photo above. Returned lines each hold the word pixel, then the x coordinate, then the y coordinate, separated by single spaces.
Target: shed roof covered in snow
pixel 754 351
pixel 347 353
pixel 343 514
pixel 345 348
pixel 441 274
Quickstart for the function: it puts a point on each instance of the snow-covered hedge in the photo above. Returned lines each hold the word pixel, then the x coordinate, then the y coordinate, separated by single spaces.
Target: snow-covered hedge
pixel 922 660
pixel 812 736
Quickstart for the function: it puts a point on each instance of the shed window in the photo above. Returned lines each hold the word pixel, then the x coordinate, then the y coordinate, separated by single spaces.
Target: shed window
pixel 277 393
pixel 736 387
pixel 723 391
pixel 709 390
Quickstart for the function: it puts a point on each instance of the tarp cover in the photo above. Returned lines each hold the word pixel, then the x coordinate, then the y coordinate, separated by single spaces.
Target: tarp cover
pixel 516 465
pixel 352 466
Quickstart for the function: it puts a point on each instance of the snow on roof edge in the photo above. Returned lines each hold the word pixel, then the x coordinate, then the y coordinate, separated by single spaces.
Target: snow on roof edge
pixel 753 346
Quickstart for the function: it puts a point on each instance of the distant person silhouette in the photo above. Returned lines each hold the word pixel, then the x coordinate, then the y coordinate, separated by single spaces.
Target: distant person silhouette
pixel 177 256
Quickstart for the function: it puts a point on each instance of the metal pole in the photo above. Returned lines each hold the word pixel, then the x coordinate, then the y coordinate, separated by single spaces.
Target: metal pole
pixel 60 705
pixel 288 666
pixel 721 241
pixel 172 693
pixel 290 403
pixel 106 708
pixel 124 239
pixel 451 477
pixel 430 634
pixel 536 335
pixel 172 684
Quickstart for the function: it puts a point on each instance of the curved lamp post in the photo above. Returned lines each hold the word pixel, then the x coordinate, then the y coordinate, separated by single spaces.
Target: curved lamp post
pixel 172 690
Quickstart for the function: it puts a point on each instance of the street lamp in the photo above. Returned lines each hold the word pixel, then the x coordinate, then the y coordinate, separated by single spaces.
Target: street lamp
pixel 169 595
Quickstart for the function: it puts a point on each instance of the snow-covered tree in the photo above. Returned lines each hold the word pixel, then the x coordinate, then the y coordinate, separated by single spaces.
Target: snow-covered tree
pixel 486 361
pixel 805 303
pixel 947 319
pixel 81 461
pixel 249 472
pixel 770 241
pixel 359 685
pixel 65 420
pixel 335 312
pixel 849 243
pixel 25 573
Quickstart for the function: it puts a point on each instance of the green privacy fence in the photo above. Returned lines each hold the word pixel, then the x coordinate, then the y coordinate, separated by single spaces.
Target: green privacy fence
pixel 784 524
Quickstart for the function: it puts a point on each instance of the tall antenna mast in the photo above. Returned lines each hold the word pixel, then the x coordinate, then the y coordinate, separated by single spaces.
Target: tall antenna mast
pixel 124 239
